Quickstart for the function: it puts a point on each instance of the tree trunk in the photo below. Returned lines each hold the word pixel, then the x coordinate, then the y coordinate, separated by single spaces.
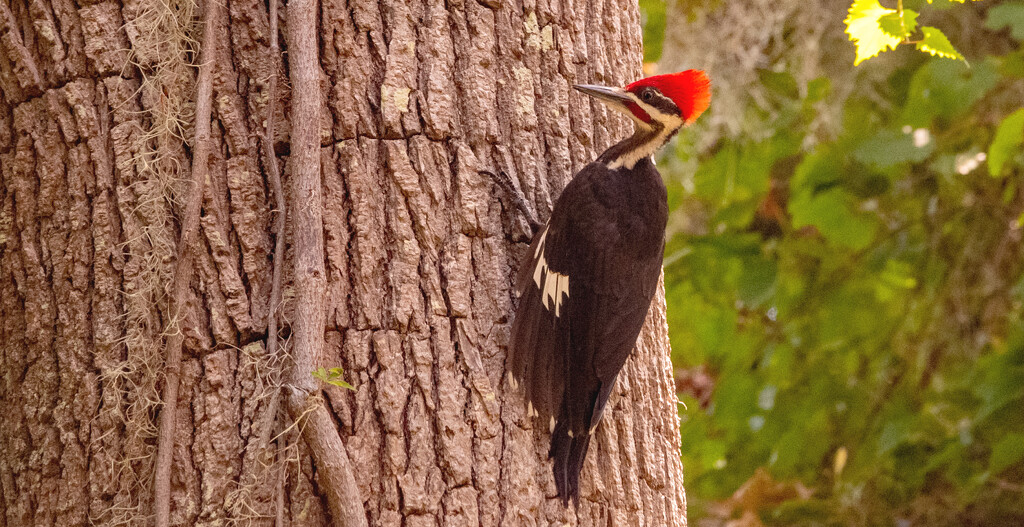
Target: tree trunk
pixel 97 103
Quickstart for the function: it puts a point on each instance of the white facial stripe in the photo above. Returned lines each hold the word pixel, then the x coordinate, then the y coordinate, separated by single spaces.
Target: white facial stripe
pixel 551 283
pixel 655 113
pixel 670 123
pixel 631 157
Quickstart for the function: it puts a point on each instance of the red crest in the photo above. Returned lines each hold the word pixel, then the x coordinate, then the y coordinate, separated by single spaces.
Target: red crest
pixel 690 90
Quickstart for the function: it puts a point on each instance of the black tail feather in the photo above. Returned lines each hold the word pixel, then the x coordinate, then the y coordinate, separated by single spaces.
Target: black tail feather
pixel 568 453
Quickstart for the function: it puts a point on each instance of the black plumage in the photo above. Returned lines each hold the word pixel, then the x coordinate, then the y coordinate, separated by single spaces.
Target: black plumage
pixel 605 238
pixel 593 269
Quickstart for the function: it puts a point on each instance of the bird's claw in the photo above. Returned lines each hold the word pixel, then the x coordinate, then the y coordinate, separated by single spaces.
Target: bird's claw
pixel 505 182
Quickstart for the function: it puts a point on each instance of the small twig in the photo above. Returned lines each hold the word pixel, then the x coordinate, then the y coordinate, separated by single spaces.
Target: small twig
pixel 899 12
pixel 337 481
pixel 282 476
pixel 518 199
pixel 279 232
pixel 279 221
pixel 183 272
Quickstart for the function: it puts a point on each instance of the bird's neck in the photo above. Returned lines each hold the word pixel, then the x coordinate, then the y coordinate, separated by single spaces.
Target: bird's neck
pixel 645 141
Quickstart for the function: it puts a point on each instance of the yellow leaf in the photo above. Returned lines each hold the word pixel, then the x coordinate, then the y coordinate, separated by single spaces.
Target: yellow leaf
pixel 862 24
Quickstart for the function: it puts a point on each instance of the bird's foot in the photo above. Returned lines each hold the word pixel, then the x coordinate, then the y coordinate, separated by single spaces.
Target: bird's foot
pixel 518 198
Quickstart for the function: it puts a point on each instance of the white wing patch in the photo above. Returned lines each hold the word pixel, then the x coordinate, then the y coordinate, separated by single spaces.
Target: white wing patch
pixel 551 283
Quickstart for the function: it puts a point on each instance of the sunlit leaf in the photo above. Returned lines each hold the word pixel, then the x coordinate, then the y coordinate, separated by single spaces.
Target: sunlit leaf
pixel 1007 142
pixel 896 278
pixel 863 26
pixel 935 43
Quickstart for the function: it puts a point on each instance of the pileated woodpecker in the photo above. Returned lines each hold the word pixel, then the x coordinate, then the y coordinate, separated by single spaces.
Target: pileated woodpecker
pixel 593 269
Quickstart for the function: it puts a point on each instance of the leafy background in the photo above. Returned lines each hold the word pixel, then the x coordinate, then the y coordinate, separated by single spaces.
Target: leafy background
pixel 845 268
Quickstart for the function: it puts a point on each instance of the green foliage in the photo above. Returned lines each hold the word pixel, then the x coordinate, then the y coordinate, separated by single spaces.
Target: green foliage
pixel 1007 143
pixel 945 90
pixel 900 26
pixel 1009 14
pixel 1007 452
pixel 874 29
pixel 653 21
pixel 858 300
pixel 832 213
pixel 332 376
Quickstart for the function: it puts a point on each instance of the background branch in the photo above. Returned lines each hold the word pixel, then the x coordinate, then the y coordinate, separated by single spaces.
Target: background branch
pixel 183 272
pixel 334 471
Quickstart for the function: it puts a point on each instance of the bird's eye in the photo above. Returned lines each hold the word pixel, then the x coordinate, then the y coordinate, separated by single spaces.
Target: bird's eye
pixel 647 96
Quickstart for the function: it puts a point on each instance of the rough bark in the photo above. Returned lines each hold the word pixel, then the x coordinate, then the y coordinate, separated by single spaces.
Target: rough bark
pixel 418 262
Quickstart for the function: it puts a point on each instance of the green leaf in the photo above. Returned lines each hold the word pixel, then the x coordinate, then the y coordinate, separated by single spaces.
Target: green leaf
pixel 999 385
pixel 891 147
pixel 900 27
pixel 781 82
pixel 818 89
pixel 946 89
pixel 935 43
pixel 1007 142
pixel 896 278
pixel 757 283
pixel 1010 14
pixel 798 511
pixel 1008 451
pixel 895 432
pixel 1012 64
pixel 831 214
pixel 821 168
pixel 863 26
pixel 333 376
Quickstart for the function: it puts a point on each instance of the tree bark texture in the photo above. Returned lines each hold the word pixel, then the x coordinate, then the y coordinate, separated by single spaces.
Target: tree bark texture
pixel 97 105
